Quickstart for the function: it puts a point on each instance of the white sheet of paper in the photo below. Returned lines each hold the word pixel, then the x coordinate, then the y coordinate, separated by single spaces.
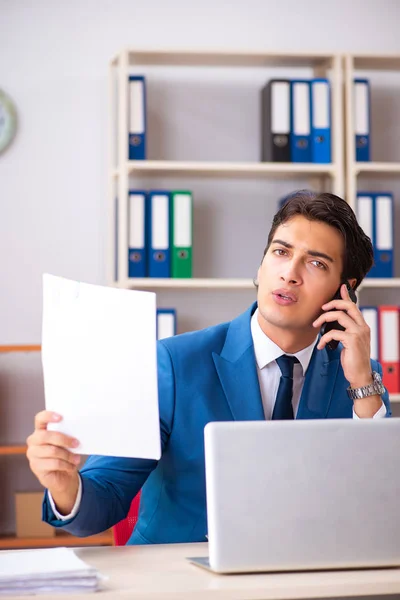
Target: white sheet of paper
pixel 100 367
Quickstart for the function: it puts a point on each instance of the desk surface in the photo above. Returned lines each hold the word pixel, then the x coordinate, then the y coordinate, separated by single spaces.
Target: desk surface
pixel 162 572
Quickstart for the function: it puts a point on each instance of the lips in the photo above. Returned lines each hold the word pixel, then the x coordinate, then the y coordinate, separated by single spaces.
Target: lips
pixel 285 295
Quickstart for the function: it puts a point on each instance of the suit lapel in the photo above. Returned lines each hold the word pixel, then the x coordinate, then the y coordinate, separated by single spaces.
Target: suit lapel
pixel 237 370
pixel 318 386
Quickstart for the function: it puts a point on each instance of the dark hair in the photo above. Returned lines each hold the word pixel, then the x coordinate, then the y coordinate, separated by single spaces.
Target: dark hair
pixel 336 212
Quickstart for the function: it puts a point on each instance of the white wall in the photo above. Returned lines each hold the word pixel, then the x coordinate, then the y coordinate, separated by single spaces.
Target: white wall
pixel 53 62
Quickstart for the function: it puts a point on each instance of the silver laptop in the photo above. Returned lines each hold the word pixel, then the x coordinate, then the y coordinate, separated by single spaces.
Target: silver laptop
pixel 306 494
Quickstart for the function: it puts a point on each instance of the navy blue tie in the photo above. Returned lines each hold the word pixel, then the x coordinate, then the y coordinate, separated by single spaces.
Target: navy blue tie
pixel 283 408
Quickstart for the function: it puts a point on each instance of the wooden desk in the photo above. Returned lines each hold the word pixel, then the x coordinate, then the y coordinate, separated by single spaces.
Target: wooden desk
pixel 163 573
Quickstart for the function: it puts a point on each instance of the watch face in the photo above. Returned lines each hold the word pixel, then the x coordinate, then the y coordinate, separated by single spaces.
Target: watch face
pixel 8 121
pixel 378 382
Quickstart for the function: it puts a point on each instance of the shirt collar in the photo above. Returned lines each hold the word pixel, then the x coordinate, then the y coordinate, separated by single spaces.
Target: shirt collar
pixel 266 351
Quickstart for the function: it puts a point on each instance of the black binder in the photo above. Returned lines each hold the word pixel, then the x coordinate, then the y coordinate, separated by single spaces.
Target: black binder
pixel 275 121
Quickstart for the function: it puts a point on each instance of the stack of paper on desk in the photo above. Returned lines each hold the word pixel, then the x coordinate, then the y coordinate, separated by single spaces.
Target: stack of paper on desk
pixel 45 571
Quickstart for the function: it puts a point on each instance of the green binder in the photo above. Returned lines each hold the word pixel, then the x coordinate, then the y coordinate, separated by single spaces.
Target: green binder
pixel 181 233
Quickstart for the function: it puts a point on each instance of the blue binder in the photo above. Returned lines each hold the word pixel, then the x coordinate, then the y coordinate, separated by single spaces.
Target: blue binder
pixel 375 217
pixel 166 323
pixel 158 227
pixel 300 120
pixel 383 219
pixel 362 119
pixel 137 233
pixel 137 118
pixel 320 121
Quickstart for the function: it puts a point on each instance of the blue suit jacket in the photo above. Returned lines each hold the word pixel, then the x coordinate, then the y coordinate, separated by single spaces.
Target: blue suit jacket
pixel 204 376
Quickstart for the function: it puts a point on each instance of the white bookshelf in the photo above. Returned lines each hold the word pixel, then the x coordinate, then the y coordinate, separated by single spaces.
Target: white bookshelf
pixel 352 65
pixel 122 171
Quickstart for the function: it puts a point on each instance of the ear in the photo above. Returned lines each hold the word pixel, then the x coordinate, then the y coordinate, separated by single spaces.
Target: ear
pixel 352 282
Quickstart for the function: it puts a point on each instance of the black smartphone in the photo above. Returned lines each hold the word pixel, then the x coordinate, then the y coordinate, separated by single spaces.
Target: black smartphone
pixel 333 344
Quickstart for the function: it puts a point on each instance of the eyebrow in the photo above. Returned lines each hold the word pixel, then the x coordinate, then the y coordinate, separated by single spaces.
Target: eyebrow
pixel 315 253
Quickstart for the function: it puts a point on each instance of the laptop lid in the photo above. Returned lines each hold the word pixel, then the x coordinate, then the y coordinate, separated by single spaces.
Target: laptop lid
pixel 303 494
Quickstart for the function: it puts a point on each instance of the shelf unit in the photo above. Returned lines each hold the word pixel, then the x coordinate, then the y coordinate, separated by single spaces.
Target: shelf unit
pixel 61 538
pixel 353 168
pixel 374 168
pixel 120 168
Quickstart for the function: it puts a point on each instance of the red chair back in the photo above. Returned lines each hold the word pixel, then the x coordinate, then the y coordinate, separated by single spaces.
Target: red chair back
pixel 122 531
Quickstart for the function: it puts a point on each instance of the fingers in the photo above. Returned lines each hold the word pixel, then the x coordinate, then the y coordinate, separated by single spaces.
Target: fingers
pixel 43 418
pixel 53 453
pixel 339 316
pixel 54 438
pixel 346 306
pixel 42 466
pixel 334 334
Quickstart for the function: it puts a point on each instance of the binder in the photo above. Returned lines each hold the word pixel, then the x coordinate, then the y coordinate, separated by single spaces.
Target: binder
pixel 166 323
pixel 370 314
pixel 383 235
pixel 300 122
pixel 320 121
pixel 362 119
pixel 137 234
pixel 375 215
pixel 181 233
pixel 275 121
pixel 365 218
pixel 158 220
pixel 389 350
pixel 137 118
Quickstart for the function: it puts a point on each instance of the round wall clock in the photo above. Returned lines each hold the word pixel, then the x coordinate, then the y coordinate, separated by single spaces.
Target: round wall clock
pixel 8 121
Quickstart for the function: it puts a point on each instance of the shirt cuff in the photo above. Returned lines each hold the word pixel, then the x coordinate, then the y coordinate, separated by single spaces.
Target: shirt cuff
pixel 75 508
pixel 378 415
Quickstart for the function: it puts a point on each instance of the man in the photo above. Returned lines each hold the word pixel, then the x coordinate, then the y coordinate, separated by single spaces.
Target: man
pixel 268 363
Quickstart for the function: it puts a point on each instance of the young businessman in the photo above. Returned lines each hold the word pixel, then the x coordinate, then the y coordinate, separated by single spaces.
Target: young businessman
pixel 268 363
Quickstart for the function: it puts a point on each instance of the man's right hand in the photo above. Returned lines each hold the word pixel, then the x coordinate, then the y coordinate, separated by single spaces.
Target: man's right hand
pixel 52 462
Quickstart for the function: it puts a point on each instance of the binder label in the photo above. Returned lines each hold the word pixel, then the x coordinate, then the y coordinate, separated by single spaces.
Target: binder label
pixel 136 113
pixel 136 220
pixel 320 104
pixel 384 238
pixel 301 103
pixel 280 103
pixel 182 220
pixel 160 222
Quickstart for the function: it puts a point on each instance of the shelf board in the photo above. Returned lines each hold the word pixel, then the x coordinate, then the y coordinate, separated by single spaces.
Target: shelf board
pixel 228 169
pixel 223 58
pixel 376 282
pixel 20 348
pixel 10 450
pixel 149 283
pixel 376 168
pixel 394 397
pixel 386 62
pixel 60 539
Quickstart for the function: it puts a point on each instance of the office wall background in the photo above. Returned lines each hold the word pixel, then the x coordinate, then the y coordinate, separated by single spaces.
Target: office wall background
pixel 53 179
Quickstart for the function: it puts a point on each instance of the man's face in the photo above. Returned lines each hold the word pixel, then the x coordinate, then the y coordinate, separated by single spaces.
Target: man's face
pixel 300 272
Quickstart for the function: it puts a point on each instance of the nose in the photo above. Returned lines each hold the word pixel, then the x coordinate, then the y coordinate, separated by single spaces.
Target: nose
pixel 291 274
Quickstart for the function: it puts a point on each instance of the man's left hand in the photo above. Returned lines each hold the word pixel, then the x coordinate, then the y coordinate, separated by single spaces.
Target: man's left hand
pixel 355 356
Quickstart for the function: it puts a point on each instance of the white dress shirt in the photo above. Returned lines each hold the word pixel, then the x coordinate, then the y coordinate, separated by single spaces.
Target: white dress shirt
pixel 269 374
